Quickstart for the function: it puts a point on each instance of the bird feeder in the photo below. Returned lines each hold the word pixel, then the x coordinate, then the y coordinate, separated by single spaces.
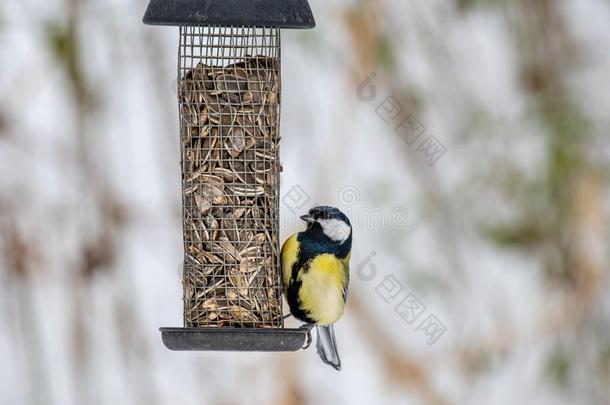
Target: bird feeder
pixel 229 87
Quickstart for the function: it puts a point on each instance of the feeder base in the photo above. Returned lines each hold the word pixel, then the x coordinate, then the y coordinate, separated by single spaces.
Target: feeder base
pixel 235 339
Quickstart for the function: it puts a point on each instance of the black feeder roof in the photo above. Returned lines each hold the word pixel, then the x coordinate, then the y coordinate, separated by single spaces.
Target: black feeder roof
pixel 249 13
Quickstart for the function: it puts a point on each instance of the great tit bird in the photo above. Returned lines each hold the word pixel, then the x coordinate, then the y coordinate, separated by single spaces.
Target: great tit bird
pixel 315 275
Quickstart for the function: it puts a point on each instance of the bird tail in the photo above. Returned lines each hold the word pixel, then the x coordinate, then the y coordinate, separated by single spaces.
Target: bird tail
pixel 327 346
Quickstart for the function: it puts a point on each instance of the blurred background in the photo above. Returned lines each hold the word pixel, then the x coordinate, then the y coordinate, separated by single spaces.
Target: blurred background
pixel 467 140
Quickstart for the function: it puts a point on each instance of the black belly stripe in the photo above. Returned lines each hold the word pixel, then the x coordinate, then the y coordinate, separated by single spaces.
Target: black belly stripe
pixel 295 303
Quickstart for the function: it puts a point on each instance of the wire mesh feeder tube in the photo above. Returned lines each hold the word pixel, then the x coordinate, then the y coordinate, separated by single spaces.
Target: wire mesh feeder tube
pixel 229 92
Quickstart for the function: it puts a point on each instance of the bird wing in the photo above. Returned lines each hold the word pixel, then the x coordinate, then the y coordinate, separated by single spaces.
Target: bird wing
pixel 345 263
pixel 290 254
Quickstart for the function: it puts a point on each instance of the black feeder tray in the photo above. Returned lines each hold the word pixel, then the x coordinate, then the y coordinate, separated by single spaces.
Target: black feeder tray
pixel 229 87
pixel 235 339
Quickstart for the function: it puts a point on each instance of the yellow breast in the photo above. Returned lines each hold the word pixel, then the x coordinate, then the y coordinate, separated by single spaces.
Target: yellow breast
pixel 321 293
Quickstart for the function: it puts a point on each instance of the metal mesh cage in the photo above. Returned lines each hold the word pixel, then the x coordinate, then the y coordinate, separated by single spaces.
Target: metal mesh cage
pixel 229 95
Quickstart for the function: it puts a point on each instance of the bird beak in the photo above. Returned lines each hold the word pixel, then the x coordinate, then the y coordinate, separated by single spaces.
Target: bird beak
pixel 308 218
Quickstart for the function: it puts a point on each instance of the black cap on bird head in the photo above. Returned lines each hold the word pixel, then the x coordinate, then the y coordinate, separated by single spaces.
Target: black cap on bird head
pixel 331 221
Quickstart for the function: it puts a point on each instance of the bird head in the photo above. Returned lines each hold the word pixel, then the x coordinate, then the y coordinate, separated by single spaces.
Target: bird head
pixel 331 221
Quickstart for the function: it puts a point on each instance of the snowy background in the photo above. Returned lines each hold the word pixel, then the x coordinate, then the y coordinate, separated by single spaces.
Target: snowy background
pixel 502 240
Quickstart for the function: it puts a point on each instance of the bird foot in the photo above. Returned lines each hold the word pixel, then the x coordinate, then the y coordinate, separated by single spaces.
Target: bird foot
pixel 309 340
pixel 308 327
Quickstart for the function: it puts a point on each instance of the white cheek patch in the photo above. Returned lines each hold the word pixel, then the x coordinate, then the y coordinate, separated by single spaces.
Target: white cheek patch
pixel 335 229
